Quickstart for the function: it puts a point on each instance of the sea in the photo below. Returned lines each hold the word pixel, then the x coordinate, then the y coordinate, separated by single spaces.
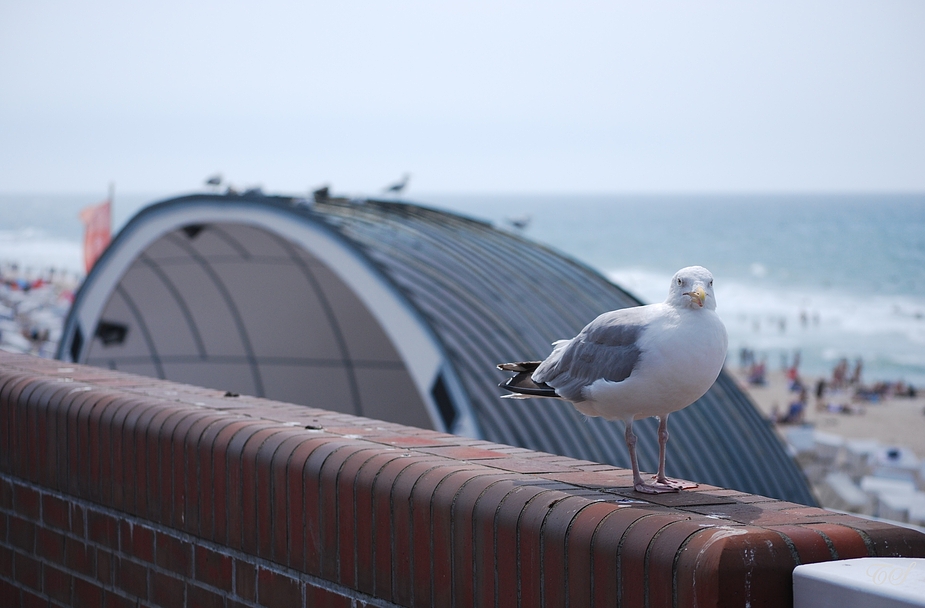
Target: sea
pixel 824 276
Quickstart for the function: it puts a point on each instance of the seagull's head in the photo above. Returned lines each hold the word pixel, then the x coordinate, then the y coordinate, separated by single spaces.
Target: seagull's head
pixel 692 287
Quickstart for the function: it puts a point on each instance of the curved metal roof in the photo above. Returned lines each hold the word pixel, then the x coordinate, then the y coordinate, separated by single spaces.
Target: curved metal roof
pixel 463 296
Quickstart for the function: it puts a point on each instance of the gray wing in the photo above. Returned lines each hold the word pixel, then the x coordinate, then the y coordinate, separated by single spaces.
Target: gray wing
pixel 606 348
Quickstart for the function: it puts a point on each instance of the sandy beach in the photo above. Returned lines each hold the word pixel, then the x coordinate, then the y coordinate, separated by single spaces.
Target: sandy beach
pixel 893 421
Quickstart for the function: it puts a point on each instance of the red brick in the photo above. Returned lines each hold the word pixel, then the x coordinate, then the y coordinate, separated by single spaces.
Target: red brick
pixel 97 483
pixel 26 501
pixel 255 496
pixel 696 577
pixel 808 543
pixel 183 440
pixel 757 569
pixel 494 544
pixel 458 452
pixel 365 527
pixel 6 561
pixel 6 492
pixel 28 452
pixel 131 577
pixel 167 590
pixel 144 504
pixel 531 466
pixel 28 599
pixel 529 546
pixel 660 557
pixel 213 568
pixel 218 498
pixel 886 539
pixel 245 580
pixel 264 483
pixel 8 434
pixel 200 597
pixel 298 517
pixel 123 451
pixel 277 590
pixel 104 567
pixel 21 533
pixel 280 515
pixel 462 532
pixel 346 536
pixel 428 572
pixel 12 595
pixel 14 417
pixel 605 547
pixel 334 510
pixel 242 495
pixel 387 564
pixel 19 437
pixel 77 516
pixel 846 542
pixel 165 453
pixel 174 554
pixel 28 571
pixel 198 470
pixel 57 584
pixel 553 535
pixel 114 600
pixel 87 594
pixel 578 551
pixel 79 404
pixel 607 479
pixel 49 545
pixel 102 528
pixel 409 441
pixel 136 540
pixel 46 437
pixel 319 596
pixel 107 458
pixel 55 512
pixel 633 551
pixel 303 491
pixel 80 557
pixel 315 518
pixel 403 539
pixel 436 493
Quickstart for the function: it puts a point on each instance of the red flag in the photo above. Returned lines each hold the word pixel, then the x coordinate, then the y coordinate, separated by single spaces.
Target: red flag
pixel 97 222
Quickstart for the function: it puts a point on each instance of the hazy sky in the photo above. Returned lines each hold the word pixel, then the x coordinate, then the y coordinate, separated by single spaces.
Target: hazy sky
pixel 467 97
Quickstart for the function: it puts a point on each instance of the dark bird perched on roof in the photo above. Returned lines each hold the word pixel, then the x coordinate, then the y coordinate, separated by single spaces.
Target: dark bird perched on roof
pixel 398 186
pixel 635 363
pixel 322 194
pixel 215 180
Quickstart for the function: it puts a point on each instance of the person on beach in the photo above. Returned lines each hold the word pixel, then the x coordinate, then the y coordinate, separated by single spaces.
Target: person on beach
pixel 796 410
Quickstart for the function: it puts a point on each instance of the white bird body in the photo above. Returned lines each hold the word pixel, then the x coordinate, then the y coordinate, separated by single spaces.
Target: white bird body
pixel 673 384
pixel 636 363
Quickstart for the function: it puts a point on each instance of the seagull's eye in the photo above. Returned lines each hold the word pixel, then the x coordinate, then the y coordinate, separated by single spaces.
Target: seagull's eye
pixel 679 280
pixel 711 282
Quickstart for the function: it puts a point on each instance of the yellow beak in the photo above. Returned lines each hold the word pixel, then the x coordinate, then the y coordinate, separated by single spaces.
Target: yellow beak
pixel 698 295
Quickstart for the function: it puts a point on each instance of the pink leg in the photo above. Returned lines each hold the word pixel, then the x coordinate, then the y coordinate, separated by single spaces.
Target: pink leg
pixel 638 483
pixel 662 450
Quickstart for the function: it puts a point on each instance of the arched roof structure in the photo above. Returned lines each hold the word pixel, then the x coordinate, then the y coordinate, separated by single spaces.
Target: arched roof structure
pixel 387 310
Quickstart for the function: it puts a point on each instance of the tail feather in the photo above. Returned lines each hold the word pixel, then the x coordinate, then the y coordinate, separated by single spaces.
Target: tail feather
pixel 521 384
pixel 520 366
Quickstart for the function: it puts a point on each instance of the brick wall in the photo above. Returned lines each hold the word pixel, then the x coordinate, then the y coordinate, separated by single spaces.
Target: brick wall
pixel 124 490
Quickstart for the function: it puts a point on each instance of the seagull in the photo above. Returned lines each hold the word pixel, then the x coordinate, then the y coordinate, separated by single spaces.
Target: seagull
pixel 214 180
pixel 520 222
pixel 635 363
pixel 397 187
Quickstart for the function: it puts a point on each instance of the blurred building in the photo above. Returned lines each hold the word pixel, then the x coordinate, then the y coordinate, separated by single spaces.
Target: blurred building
pixel 386 310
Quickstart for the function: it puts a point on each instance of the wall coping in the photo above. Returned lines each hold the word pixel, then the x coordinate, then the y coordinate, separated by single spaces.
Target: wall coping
pixel 411 516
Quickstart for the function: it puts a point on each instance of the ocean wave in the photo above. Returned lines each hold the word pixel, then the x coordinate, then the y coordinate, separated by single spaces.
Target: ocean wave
pixel 776 319
pixel 34 250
